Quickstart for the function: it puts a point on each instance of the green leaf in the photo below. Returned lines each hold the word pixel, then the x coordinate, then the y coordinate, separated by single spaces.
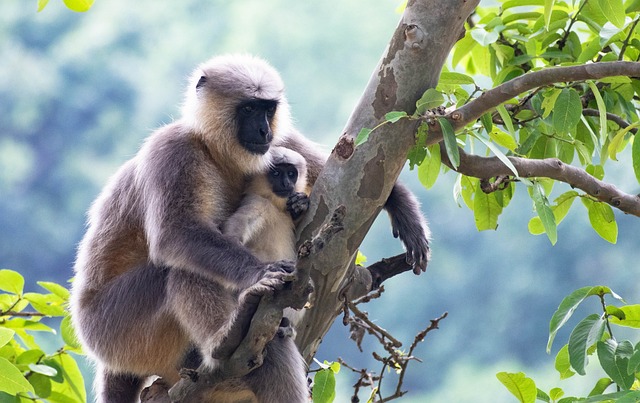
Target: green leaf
pixel 569 305
pixel 631 316
pixel 624 396
pixel 486 210
pixel 43 369
pixel 583 336
pixel 11 379
pixel 506 118
pixel 429 100
pixel 613 10
pixel 79 5
pixel 601 385
pixel 324 386
pixel 11 281
pixel 545 213
pixel 335 367
pixel 542 396
pixel 567 111
pixel 487 122
pixel 549 101
pixel 73 385
pixel 602 110
pixel 562 364
pixel 453 78
pixel 548 8
pixel 50 304
pixel 429 170
pixel 563 204
pixel 468 187
pixel 517 3
pixel 614 359
pixel 450 143
pixel 42 385
pixel 394 116
pixel 603 221
pixel 56 289
pixel 30 357
pixel 616 145
pixel 634 361
pixel 523 388
pixel 615 312
pixel 589 52
pixel 5 335
pixel 463 48
pixel 42 4
pixel 597 171
pixel 556 393
pixel 363 136
pixel 32 325
pixel 504 139
pixel 484 37
pixel 635 152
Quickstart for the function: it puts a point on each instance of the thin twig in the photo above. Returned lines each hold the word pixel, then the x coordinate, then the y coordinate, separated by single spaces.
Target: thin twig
pixel 365 318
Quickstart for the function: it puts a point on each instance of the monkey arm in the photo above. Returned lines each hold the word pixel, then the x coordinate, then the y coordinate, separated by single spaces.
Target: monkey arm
pixel 409 225
pixel 184 198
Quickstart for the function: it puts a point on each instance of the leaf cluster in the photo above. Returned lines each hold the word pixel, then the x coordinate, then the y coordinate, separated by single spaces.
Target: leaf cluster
pixel 591 337
pixel 586 123
pixel 27 373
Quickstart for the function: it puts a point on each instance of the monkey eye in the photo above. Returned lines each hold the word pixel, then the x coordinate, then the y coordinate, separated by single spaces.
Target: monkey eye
pixel 291 174
pixel 247 109
pixel 271 111
pixel 275 173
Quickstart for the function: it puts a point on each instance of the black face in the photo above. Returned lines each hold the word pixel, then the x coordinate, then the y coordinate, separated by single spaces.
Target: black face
pixel 282 178
pixel 254 124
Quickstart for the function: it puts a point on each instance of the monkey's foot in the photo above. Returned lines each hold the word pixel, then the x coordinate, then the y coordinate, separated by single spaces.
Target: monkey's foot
pixel 285 329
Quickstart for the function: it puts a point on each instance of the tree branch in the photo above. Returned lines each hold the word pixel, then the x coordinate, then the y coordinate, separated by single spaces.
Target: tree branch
pixel 490 99
pixel 610 116
pixel 487 167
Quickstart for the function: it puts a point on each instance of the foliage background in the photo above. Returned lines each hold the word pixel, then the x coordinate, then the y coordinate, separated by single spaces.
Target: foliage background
pixel 79 93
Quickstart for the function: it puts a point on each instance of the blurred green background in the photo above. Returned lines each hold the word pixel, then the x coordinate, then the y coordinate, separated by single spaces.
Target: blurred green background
pixel 80 92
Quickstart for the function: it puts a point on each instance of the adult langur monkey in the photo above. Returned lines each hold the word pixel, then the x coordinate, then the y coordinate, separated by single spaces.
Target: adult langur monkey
pixel 154 275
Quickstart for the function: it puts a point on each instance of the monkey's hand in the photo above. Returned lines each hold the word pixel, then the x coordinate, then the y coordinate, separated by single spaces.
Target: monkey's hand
pixel 297 204
pixel 273 277
pixel 414 238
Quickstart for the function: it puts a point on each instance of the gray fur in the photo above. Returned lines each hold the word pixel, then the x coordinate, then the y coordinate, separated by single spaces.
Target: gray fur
pixel 154 275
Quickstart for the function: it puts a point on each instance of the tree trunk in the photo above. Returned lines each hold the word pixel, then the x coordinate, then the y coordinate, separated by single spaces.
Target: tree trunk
pixel 361 179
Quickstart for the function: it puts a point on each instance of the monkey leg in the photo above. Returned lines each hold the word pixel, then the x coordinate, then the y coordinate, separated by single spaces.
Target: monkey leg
pixel 118 388
pixel 282 376
pixel 127 328
pixel 205 310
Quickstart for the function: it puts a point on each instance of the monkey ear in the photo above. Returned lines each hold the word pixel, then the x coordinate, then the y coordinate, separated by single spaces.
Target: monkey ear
pixel 201 82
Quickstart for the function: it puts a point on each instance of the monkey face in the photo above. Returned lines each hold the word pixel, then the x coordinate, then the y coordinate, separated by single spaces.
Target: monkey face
pixel 254 120
pixel 282 178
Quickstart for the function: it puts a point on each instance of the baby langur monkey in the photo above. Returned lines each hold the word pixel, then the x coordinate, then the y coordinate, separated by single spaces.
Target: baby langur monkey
pixel 273 201
pixel 270 208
